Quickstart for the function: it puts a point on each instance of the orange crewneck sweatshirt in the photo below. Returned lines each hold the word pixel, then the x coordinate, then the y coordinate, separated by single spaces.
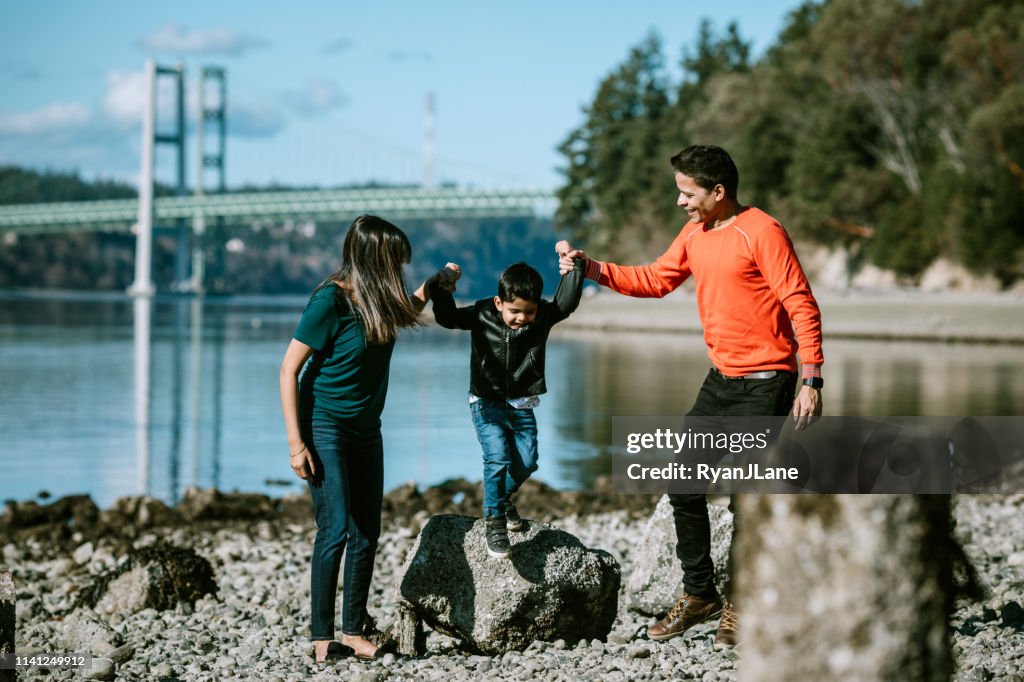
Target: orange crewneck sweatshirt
pixel 751 292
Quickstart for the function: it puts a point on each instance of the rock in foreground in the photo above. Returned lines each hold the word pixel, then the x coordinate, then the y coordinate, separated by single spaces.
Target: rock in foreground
pixel 656 581
pixel 550 587
pixel 157 577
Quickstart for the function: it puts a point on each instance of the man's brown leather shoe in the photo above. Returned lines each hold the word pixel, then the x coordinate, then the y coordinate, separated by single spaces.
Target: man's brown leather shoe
pixel 727 626
pixel 687 612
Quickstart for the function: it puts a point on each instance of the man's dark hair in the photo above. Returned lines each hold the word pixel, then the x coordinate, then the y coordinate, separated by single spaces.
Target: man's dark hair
pixel 520 281
pixel 708 166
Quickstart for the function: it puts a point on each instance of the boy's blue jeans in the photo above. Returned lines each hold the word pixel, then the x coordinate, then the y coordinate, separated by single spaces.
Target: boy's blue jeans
pixel 347 494
pixel 509 440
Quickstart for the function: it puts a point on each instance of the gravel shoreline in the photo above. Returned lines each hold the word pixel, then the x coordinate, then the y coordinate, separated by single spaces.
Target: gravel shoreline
pixel 257 625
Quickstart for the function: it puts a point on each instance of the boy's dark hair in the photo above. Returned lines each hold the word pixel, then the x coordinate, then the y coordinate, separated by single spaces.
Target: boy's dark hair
pixel 520 281
pixel 708 166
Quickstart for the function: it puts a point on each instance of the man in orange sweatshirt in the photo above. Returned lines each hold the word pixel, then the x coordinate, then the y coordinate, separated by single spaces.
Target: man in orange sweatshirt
pixel 759 316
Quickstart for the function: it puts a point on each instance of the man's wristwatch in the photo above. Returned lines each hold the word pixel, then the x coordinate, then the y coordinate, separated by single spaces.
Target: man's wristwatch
pixel 814 382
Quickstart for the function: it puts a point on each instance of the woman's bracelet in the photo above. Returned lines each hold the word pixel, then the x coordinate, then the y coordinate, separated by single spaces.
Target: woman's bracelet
pixel 296 454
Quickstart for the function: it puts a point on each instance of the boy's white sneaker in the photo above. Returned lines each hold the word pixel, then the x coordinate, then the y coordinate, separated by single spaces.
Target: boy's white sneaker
pixel 497 537
pixel 513 521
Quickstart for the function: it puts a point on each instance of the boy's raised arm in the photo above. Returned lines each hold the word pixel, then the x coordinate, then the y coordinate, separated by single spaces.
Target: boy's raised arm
pixel 570 286
pixel 439 289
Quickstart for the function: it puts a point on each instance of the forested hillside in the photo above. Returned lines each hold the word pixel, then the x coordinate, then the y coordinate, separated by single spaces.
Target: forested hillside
pixel 892 128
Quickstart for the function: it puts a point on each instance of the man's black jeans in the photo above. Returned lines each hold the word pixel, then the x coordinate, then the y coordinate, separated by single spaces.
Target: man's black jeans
pixel 722 397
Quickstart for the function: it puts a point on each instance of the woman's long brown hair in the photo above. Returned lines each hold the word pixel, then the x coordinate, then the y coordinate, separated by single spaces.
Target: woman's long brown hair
pixel 371 272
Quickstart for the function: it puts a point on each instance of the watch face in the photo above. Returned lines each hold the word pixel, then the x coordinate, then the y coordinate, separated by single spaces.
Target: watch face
pixel 814 382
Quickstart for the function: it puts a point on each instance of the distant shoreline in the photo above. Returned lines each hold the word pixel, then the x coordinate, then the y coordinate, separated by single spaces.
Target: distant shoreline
pixel 879 315
pixel 976 318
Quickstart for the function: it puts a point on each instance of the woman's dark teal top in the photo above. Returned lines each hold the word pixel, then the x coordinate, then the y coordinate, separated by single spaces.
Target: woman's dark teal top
pixel 346 379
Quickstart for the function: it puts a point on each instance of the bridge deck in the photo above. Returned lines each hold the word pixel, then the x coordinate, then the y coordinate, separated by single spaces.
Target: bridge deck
pixel 120 215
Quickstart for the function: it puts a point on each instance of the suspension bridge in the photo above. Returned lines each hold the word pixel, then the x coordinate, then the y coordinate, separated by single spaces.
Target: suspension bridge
pixel 121 215
pixel 188 214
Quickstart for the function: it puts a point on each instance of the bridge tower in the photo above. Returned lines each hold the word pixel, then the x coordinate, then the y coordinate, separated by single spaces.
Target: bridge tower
pixel 143 284
pixel 213 114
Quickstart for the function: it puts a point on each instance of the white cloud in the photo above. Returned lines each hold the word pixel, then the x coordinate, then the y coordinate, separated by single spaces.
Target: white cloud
pixel 176 38
pixel 318 97
pixel 125 98
pixel 56 116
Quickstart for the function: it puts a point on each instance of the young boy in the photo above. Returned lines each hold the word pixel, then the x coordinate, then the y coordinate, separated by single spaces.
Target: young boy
pixel 507 377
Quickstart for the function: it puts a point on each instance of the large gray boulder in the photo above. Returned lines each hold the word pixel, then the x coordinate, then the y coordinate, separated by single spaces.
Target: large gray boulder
pixel 157 577
pixel 656 581
pixel 550 587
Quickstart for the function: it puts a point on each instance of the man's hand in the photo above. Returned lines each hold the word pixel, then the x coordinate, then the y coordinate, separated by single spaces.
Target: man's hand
pixel 567 256
pixel 806 407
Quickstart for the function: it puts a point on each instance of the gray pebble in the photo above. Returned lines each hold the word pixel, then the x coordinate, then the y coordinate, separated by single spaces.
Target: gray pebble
pixel 638 651
pixel 366 676
pixel 163 670
pixel 224 661
pixel 102 669
pixel 122 654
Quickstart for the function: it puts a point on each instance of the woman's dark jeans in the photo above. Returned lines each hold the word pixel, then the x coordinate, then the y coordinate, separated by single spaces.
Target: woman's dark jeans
pixel 347 494
pixel 722 397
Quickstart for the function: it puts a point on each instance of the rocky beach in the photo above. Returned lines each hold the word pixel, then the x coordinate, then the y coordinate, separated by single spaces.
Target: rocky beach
pixel 216 587
pixel 248 557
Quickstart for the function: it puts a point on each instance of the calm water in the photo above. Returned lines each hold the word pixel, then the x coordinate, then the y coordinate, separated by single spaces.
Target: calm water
pixel 80 412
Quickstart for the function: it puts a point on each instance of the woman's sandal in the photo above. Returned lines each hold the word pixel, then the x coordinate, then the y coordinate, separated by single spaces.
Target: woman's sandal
pixel 376 656
pixel 335 651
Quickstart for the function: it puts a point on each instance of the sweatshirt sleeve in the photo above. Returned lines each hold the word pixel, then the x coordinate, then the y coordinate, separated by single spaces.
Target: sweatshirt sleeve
pixel 654 280
pixel 775 256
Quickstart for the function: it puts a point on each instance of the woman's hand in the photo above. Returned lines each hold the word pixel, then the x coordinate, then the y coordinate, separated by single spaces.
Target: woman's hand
pixel 302 463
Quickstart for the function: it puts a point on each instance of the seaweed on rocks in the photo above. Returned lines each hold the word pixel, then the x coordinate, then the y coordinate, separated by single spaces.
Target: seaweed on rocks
pixel 168 575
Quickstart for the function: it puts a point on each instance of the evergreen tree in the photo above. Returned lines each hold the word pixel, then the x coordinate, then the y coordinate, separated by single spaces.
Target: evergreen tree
pixel 617 160
pixel 895 129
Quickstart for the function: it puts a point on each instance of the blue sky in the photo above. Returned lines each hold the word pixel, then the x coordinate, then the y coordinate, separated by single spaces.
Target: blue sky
pixel 327 93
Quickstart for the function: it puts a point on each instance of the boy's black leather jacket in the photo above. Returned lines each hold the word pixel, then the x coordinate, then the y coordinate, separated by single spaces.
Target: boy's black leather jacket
pixel 508 363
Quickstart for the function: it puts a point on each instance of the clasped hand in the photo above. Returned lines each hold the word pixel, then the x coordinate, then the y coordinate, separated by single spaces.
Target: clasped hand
pixel 567 256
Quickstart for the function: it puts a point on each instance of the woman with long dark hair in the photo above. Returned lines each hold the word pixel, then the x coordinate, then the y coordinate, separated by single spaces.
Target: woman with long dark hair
pixel 332 415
